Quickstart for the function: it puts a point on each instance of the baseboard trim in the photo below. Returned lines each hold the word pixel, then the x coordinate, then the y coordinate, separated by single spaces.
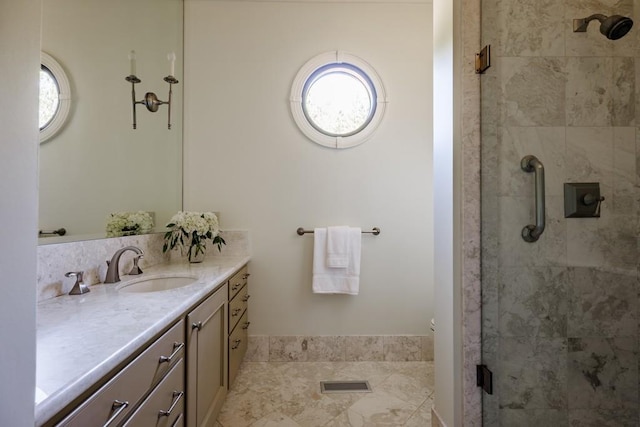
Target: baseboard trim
pixel 349 348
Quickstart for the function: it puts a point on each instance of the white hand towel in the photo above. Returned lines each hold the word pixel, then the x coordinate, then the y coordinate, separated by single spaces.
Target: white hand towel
pixel 336 280
pixel 338 247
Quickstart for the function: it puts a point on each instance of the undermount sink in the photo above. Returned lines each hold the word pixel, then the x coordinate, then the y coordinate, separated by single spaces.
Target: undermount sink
pixel 157 284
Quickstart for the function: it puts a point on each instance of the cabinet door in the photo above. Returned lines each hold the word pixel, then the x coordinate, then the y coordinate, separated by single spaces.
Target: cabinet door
pixel 207 359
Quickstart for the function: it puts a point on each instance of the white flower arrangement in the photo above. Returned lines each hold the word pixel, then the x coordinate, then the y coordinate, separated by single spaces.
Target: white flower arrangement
pixel 192 230
pixel 129 223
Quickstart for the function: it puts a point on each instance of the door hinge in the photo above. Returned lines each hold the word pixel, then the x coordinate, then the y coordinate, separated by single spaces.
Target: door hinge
pixel 483 59
pixel 484 378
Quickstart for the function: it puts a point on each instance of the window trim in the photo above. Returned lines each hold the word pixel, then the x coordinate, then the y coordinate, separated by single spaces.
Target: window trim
pixel 308 71
pixel 64 100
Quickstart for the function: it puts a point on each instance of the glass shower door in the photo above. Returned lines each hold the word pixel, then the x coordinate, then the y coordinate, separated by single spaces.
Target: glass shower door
pixel 560 315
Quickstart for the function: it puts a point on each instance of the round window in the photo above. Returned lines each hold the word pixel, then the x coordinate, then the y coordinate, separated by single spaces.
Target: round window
pixel 49 97
pixel 337 100
pixel 55 99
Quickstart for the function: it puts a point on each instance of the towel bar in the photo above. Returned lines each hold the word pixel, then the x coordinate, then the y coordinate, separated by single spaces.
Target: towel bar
pixel 375 231
pixel 58 232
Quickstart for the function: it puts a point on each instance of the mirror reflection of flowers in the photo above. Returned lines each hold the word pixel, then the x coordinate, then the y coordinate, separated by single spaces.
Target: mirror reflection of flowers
pixel 129 223
pixel 191 230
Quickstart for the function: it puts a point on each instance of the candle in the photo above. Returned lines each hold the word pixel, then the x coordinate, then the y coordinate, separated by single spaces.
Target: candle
pixel 172 63
pixel 132 62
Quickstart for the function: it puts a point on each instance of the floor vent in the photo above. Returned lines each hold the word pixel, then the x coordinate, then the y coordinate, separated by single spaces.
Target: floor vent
pixel 345 387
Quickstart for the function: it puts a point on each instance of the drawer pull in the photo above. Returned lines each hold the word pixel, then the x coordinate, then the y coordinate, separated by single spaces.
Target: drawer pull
pixel 177 395
pixel 177 346
pixel 246 276
pixel 246 325
pixel 178 422
pixel 235 312
pixel 118 407
pixel 246 298
pixel 236 344
pixel 197 326
pixel 236 286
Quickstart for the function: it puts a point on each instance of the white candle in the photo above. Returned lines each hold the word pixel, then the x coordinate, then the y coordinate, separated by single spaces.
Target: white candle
pixel 132 62
pixel 172 63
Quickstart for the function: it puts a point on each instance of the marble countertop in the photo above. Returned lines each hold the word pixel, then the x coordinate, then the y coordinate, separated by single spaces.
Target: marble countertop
pixel 81 338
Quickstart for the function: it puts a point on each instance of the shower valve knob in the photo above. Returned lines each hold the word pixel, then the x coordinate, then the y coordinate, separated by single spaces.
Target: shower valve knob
pixel 589 199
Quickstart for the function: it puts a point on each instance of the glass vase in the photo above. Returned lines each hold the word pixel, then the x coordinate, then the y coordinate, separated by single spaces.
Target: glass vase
pixel 196 253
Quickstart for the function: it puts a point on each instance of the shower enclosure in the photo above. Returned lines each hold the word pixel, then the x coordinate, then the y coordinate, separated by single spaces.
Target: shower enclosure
pixel 560 314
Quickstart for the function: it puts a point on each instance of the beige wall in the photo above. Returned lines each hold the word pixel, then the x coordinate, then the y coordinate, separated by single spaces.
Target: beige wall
pixel 245 158
pixel 19 59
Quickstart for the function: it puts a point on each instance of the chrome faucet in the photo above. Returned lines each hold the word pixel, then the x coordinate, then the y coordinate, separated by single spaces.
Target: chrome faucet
pixel 113 275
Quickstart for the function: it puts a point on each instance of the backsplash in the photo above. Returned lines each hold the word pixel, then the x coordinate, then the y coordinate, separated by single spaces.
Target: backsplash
pixel 89 257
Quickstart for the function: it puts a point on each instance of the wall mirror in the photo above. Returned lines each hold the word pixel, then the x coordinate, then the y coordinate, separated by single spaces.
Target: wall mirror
pixel 96 163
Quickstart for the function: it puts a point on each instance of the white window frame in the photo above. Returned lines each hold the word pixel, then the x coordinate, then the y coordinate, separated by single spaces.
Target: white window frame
pixel 297 110
pixel 64 105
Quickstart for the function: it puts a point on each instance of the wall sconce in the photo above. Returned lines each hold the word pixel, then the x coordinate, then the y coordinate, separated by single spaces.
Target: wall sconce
pixel 150 100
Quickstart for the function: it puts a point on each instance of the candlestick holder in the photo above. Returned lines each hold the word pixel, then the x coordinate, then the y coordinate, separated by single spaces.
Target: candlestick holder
pixel 150 99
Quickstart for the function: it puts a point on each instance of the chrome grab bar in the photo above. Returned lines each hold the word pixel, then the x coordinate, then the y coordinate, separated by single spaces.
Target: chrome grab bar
pixel 531 233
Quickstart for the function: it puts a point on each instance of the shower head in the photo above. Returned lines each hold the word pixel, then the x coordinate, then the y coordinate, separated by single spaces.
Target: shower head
pixel 612 27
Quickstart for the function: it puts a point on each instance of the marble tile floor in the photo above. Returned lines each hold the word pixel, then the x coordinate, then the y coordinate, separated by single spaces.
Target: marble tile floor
pixel 287 394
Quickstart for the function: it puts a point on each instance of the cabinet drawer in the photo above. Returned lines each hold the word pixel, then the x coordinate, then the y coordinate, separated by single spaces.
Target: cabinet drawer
pixel 237 306
pixel 165 405
pixel 238 346
pixel 238 281
pixel 116 398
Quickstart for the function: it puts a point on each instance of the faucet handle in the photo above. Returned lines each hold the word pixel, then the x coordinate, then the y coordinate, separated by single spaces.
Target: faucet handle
pixel 79 287
pixel 76 274
pixel 136 269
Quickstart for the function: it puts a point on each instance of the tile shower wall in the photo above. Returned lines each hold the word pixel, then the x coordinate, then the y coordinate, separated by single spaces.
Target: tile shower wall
pixel 560 316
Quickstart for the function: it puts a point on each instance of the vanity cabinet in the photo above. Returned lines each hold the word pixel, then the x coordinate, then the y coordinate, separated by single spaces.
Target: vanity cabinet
pixel 114 402
pixel 207 359
pixel 238 320
pixel 182 377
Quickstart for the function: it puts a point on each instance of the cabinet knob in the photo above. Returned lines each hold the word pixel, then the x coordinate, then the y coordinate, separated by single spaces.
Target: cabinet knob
pixel 236 344
pixel 236 286
pixel 197 326
pixel 246 298
pixel 246 325
pixel 235 312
